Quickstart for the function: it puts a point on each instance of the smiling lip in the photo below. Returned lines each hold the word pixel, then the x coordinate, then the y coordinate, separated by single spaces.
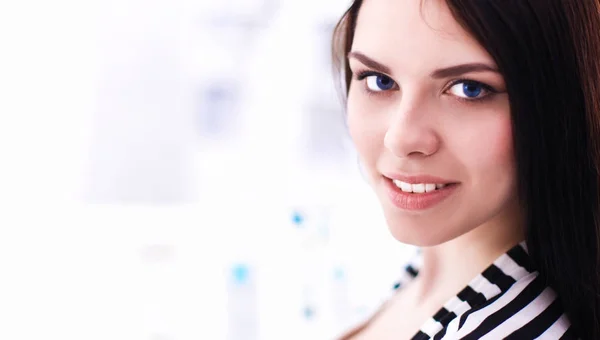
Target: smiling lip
pixel 418 201
pixel 419 179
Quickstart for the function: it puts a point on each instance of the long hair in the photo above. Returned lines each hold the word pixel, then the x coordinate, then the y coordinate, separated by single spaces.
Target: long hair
pixel 549 54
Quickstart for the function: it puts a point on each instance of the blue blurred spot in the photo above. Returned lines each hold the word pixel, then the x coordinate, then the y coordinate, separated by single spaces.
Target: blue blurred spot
pixel 308 312
pixel 338 273
pixel 297 218
pixel 217 93
pixel 362 310
pixel 240 273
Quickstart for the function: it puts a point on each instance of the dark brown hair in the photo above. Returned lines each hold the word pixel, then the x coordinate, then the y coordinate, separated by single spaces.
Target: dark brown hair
pixel 549 54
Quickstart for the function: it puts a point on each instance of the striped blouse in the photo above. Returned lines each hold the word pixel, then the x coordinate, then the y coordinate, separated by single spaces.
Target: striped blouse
pixel 508 300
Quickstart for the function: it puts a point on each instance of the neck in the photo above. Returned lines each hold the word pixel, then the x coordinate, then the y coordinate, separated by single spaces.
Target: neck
pixel 449 267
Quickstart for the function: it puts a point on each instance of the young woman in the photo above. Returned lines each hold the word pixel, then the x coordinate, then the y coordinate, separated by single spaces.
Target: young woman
pixel 478 124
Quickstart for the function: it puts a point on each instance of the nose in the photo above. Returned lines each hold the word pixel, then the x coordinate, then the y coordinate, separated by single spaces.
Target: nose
pixel 411 133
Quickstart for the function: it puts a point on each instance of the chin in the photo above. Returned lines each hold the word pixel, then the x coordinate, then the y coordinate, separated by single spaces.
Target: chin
pixel 416 239
pixel 417 233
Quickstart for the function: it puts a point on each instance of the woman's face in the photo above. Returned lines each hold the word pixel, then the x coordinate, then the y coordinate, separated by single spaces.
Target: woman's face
pixel 430 118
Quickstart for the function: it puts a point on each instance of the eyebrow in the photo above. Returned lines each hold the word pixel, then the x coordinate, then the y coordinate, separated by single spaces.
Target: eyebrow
pixel 446 72
pixel 377 66
pixel 457 70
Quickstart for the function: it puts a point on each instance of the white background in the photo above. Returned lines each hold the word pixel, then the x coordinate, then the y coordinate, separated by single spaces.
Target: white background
pixel 122 214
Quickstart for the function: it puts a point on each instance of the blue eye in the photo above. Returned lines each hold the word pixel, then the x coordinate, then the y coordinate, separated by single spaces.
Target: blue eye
pixel 468 89
pixel 377 83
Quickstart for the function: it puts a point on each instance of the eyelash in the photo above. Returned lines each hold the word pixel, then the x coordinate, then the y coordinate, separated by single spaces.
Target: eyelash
pixel 360 76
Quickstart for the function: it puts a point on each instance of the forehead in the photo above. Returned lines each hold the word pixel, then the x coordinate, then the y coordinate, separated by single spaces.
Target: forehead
pixel 414 35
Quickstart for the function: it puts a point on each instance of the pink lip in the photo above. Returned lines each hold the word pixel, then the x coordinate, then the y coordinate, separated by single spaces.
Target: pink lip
pixel 415 202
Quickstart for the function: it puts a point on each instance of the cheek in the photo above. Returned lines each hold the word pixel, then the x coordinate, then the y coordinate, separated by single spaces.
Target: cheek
pixel 487 150
pixel 366 131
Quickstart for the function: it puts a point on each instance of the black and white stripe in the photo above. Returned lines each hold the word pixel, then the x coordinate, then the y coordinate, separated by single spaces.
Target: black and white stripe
pixel 508 300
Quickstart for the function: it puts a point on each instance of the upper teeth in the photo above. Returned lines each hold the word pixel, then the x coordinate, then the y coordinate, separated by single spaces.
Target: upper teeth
pixel 417 188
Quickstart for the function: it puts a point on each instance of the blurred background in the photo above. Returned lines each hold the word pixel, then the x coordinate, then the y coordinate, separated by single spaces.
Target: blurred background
pixel 181 170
